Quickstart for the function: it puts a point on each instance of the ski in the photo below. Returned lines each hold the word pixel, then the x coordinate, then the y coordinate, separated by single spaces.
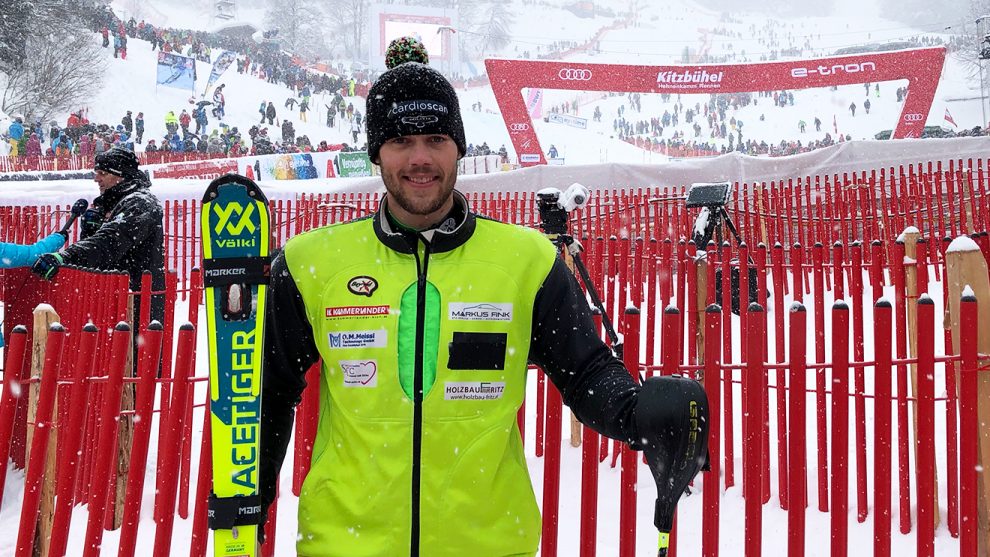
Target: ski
pixel 235 242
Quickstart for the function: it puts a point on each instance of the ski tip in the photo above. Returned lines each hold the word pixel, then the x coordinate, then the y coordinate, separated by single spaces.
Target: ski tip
pixel 90 328
pixel 155 326
pixel 122 326
pixel 187 326
pixel 230 178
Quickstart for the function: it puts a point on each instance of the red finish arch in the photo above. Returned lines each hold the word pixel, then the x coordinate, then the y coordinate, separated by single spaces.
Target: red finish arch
pixel 922 68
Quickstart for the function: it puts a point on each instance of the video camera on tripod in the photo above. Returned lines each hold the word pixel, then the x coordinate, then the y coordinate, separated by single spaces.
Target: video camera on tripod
pixel 709 224
pixel 555 206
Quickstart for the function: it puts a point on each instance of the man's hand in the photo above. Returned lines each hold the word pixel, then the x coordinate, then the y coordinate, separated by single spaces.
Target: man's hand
pixel 672 425
pixel 47 265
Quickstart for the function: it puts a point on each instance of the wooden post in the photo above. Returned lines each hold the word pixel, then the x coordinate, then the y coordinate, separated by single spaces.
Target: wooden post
pixel 701 263
pixel 966 266
pixel 125 425
pixel 758 190
pixel 576 433
pixel 44 316
pixel 911 236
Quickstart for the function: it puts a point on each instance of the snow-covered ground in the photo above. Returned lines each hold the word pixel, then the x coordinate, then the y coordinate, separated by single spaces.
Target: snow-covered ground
pixel 662 31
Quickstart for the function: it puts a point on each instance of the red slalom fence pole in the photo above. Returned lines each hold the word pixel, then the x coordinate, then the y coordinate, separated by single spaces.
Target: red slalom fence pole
pixel 754 385
pixel 926 492
pixel 121 344
pixel 630 458
pixel 840 428
pixel 165 498
pixel 149 355
pixel 12 389
pixel 797 432
pixel 39 441
pixel 882 325
pixel 712 380
pixel 72 432
pixel 856 290
pixel 551 472
pixel 969 425
pixel 821 414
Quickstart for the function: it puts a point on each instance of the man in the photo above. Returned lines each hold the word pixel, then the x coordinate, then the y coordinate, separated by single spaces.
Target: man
pixel 425 316
pixel 122 229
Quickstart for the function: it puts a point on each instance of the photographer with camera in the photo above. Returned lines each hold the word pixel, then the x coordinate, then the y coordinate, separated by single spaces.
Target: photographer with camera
pixel 425 317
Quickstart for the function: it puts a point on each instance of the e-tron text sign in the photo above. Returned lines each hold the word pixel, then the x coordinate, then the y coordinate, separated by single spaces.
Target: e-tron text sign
pixel 921 67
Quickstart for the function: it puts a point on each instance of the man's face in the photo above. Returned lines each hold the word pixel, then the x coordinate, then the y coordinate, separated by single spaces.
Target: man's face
pixel 106 180
pixel 419 172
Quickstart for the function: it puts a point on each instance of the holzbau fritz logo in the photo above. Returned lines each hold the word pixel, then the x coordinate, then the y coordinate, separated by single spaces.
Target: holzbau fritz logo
pixel 227 214
pixel 362 286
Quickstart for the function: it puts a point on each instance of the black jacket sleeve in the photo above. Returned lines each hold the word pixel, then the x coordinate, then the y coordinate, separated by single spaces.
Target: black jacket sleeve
pixel 289 352
pixel 131 223
pixel 593 383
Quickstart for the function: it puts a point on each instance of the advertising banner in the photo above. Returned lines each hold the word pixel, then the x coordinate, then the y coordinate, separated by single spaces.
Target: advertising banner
pixel 354 164
pixel 221 64
pixel 568 120
pixel 205 170
pixel 290 166
pixel 175 70
pixel 921 67
pixel 534 103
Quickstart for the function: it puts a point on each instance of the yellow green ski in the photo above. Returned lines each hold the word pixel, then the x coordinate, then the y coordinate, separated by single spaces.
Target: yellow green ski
pixel 235 239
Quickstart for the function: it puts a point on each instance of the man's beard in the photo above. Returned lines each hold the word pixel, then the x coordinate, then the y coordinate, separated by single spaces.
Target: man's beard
pixel 421 205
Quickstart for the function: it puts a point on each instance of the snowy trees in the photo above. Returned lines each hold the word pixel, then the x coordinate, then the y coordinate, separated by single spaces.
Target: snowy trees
pixel 299 24
pixel 50 62
pixel 493 31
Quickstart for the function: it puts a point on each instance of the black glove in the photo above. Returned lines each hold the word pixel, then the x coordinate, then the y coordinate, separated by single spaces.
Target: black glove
pixel 47 265
pixel 672 431
pixel 90 221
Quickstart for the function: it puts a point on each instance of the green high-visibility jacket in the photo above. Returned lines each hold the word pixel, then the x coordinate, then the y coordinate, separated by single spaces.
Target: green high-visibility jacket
pixel 424 340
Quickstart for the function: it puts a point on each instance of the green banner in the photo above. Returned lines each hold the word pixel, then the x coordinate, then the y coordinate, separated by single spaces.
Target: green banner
pixel 354 164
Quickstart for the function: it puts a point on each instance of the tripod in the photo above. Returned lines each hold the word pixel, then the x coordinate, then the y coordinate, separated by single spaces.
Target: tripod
pixel 574 248
pixel 717 218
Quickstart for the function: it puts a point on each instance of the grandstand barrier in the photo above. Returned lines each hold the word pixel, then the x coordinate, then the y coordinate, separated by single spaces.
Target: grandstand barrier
pixel 205 166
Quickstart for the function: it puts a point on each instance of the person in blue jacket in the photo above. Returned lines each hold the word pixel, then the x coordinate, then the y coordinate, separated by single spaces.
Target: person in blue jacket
pixel 24 255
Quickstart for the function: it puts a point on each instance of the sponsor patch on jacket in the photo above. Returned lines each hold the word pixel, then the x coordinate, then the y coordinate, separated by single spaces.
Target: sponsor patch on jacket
pixel 359 339
pixel 356 311
pixel 473 390
pixel 479 311
pixel 362 285
pixel 359 373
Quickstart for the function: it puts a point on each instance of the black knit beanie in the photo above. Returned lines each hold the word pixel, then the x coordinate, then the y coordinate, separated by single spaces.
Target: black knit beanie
pixel 117 161
pixel 412 99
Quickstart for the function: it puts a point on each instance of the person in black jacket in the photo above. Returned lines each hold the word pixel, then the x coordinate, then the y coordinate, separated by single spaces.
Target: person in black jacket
pixel 122 230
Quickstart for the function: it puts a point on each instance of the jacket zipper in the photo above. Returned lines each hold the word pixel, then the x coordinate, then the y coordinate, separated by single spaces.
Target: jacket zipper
pixel 418 394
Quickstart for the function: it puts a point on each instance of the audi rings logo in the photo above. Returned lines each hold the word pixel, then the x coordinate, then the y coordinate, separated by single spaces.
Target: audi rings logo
pixel 572 74
pixel 914 117
pixel 518 127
